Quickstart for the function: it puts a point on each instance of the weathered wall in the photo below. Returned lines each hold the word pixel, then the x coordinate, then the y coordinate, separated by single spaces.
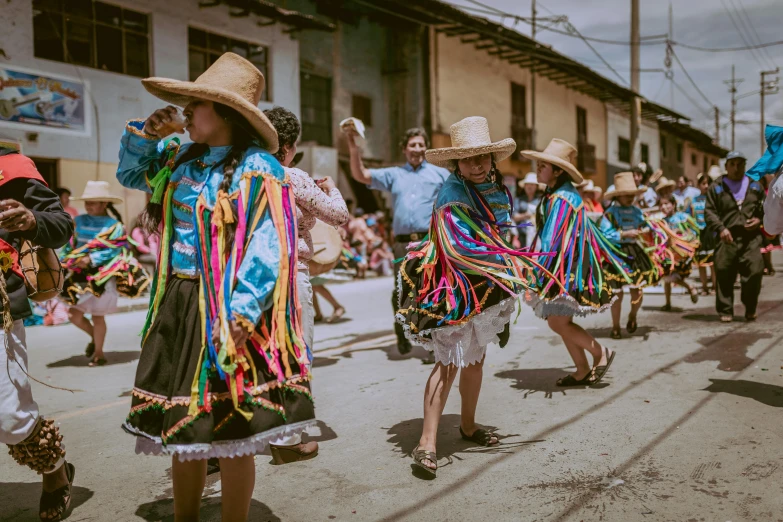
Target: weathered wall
pixel 619 126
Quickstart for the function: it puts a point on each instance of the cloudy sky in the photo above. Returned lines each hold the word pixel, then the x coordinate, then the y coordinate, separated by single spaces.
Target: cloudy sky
pixel 705 23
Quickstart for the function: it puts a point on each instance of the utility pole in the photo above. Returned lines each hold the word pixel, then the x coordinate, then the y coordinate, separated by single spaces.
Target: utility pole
pixel 717 125
pixel 670 72
pixel 767 87
pixel 636 105
pixel 533 85
pixel 733 90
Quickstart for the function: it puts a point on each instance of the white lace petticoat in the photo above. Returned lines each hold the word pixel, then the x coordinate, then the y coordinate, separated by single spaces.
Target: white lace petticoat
pixel 563 305
pixel 464 344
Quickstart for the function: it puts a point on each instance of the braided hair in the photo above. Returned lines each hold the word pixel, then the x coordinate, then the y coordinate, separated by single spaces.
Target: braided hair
pixel 112 210
pixel 243 136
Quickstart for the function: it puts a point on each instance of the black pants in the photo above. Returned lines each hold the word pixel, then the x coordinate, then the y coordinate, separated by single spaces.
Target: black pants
pixel 399 250
pixel 742 257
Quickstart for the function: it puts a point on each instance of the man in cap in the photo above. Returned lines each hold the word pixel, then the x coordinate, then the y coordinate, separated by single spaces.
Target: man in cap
pixel 413 187
pixel 734 211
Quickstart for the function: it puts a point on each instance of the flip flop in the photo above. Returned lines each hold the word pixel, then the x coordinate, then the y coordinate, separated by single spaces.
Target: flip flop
pixel 616 334
pixel 632 325
pixel 694 296
pixel 480 437
pixel 335 315
pixel 570 380
pixel 600 371
pixel 100 361
pixel 59 499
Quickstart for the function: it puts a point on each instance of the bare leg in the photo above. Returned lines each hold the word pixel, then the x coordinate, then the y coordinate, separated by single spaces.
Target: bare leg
pixel 435 395
pixel 238 477
pixel 326 294
pixel 99 335
pixel 667 290
pixel 577 341
pixel 318 315
pixel 79 321
pixel 617 310
pixel 637 296
pixel 703 276
pixel 188 479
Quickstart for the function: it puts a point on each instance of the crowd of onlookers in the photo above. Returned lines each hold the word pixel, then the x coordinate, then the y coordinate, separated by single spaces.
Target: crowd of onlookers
pixel 366 243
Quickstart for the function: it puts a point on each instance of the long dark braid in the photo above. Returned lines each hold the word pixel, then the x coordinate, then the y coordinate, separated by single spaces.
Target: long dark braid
pixel 111 209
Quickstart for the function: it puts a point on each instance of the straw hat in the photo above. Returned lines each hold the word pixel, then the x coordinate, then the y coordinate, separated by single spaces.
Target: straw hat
pixel 663 183
pixel 470 137
pixel 655 176
pixel 587 186
pixel 232 81
pixel 98 191
pixel 624 185
pixel 531 179
pixel 559 153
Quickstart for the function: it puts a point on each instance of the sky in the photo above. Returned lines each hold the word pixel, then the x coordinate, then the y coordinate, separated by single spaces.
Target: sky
pixel 705 23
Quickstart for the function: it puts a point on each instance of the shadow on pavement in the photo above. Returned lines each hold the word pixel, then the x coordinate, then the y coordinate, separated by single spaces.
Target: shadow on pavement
pixel 392 354
pixel 768 394
pixel 542 380
pixel 111 358
pixel 163 511
pixel 730 350
pixel 20 499
pixel 606 333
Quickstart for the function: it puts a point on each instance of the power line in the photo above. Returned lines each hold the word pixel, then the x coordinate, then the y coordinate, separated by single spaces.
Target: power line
pixel 757 39
pixel 687 75
pixel 695 104
pixel 726 49
pixel 739 32
pixel 571 27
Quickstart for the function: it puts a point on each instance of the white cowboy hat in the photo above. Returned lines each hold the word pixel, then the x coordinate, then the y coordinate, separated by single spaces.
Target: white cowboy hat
pixel 231 81
pixel 531 179
pixel 624 185
pixel 98 191
pixel 663 183
pixel 587 186
pixel 559 153
pixel 470 137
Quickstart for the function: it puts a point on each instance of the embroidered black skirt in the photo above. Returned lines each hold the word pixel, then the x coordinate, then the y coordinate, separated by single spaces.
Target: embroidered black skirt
pixel 162 392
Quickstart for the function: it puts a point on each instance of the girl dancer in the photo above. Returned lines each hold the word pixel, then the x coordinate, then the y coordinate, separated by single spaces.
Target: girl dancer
pixel 581 256
pixel 682 243
pixel 623 224
pixel 224 368
pixel 457 288
pixel 703 258
pixel 102 267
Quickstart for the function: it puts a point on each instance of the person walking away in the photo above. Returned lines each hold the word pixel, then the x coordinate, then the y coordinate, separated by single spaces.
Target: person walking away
pixel 413 187
pixel 29 211
pixel 101 267
pixel 734 211
pixel 587 266
pixel 314 200
pixel 224 368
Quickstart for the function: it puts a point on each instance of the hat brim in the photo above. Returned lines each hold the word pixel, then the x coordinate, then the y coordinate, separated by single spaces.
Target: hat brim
pixel 179 93
pixel 521 184
pixel 447 157
pixel 108 199
pixel 554 160
pixel 660 187
pixel 616 193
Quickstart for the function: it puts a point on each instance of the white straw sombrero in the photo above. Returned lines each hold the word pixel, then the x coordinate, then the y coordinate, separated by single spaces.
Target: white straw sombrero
pixel 559 153
pixel 531 179
pixel 98 191
pixel 624 185
pixel 470 137
pixel 232 81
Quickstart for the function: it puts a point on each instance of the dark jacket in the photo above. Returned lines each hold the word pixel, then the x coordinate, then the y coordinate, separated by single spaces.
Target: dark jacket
pixel 722 212
pixel 54 227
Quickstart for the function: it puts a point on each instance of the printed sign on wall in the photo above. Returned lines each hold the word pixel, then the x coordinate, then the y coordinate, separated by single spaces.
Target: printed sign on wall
pixel 39 102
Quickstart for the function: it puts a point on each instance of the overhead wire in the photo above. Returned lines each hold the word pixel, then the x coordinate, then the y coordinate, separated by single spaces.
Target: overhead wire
pixel 757 38
pixel 740 32
pixel 693 83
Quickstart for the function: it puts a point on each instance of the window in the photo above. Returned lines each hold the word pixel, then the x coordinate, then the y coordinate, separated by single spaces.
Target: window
pixel 693 158
pixel 645 153
pixel 316 93
pixel 92 34
pixel 361 107
pixel 204 48
pixel 679 153
pixel 663 147
pixel 518 106
pixel 48 170
pixel 623 150
pixel 704 165
pixel 581 125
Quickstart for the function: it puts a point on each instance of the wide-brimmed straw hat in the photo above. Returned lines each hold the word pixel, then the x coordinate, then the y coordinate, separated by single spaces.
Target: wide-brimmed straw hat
pixel 531 179
pixel 624 185
pixel 664 183
pixel 98 191
pixel 559 153
pixel 470 137
pixel 231 81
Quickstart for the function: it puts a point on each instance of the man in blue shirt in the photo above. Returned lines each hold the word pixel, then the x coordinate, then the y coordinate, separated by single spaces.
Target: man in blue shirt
pixel 413 187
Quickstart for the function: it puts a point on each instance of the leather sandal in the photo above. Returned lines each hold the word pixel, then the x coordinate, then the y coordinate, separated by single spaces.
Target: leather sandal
pixel 600 371
pixel 419 456
pixel 59 499
pixel 631 326
pixel 570 380
pixel 294 453
pixel 480 437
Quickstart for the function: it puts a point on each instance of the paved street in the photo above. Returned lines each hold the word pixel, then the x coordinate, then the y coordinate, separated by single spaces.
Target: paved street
pixel 685 427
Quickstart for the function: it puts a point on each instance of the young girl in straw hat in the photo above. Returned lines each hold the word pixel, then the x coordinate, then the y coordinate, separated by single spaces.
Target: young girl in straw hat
pixel 680 234
pixel 224 368
pixel 624 224
pixel 457 288
pixel 101 266
pixel 582 259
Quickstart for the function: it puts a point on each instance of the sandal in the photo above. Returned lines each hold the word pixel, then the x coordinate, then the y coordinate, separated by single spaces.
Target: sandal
pixel 59 499
pixel 631 326
pixel 338 313
pixel 98 361
pixel 570 380
pixel 600 371
pixel 694 295
pixel 419 456
pixel 726 318
pixel 90 349
pixel 318 318
pixel 616 334
pixel 751 317
pixel 666 308
pixel 480 437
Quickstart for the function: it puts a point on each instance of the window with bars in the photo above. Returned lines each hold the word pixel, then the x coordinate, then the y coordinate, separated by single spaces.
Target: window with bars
pixel 316 99
pixel 361 107
pixel 623 150
pixel 205 47
pixel 93 34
